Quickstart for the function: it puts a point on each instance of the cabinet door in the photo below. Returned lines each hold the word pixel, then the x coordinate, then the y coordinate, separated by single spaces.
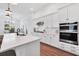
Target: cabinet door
pixel 55 37
pixel 65 46
pixel 47 21
pixel 47 39
pixel 55 20
pixel 45 36
pixel 54 42
pixel 73 12
pixel 62 15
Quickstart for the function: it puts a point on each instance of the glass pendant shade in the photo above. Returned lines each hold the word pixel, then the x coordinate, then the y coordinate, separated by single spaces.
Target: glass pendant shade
pixel 8 11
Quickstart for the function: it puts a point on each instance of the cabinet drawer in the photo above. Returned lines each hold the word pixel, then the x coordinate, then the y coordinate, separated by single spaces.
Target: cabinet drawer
pixel 65 47
pixel 62 46
pixel 73 49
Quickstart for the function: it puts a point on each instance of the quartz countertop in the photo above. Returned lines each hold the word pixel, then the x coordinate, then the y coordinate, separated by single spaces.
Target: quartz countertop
pixel 19 40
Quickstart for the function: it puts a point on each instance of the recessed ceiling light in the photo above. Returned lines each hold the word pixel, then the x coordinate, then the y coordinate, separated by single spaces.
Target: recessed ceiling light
pixel 14 3
pixel 32 9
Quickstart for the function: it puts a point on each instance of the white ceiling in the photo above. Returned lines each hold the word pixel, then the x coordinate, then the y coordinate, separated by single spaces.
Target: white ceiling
pixel 38 6
pixel 25 8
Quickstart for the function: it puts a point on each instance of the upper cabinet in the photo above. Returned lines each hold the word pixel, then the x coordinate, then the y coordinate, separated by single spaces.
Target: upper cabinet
pixel 73 12
pixel 52 20
pixel 55 22
pixel 47 21
pixel 62 15
pixel 69 13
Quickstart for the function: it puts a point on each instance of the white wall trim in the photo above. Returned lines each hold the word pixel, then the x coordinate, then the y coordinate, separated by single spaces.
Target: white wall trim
pixel 66 6
pixel 46 15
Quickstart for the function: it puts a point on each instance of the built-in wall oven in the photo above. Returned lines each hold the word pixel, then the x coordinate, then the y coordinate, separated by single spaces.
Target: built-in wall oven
pixel 69 33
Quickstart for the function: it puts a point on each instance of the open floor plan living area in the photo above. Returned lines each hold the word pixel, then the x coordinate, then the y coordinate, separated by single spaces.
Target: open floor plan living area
pixel 39 29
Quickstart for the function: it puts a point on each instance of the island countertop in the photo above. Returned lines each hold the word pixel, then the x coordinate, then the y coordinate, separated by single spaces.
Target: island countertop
pixel 20 40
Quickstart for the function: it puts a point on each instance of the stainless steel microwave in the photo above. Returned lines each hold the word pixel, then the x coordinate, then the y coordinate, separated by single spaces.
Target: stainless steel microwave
pixel 69 33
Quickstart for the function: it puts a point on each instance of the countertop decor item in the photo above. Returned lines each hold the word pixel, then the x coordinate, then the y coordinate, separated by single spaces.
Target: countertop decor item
pixel 9 28
pixel 40 28
pixel 22 31
pixel 6 27
pixel 41 23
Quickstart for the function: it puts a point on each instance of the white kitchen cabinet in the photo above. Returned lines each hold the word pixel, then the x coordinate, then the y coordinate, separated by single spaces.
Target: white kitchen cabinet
pixel 55 20
pixel 54 42
pixel 69 47
pixel 30 49
pixel 51 37
pixel 47 21
pixel 62 15
pixel 52 20
pixel 47 39
pixel 64 46
pixel 46 36
pixel 54 37
pixel 73 12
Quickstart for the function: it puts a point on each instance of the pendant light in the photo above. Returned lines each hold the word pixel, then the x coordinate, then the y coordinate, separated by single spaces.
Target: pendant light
pixel 8 11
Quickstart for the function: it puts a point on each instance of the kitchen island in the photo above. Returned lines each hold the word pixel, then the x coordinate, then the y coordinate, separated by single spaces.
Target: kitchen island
pixel 22 45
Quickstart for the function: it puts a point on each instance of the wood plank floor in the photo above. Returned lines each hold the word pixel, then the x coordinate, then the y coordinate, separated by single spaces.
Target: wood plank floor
pixel 46 50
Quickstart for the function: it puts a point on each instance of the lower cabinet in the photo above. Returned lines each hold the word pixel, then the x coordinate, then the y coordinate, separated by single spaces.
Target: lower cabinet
pixel 64 46
pixel 46 39
pixel 74 49
pixel 70 48
pixel 29 49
